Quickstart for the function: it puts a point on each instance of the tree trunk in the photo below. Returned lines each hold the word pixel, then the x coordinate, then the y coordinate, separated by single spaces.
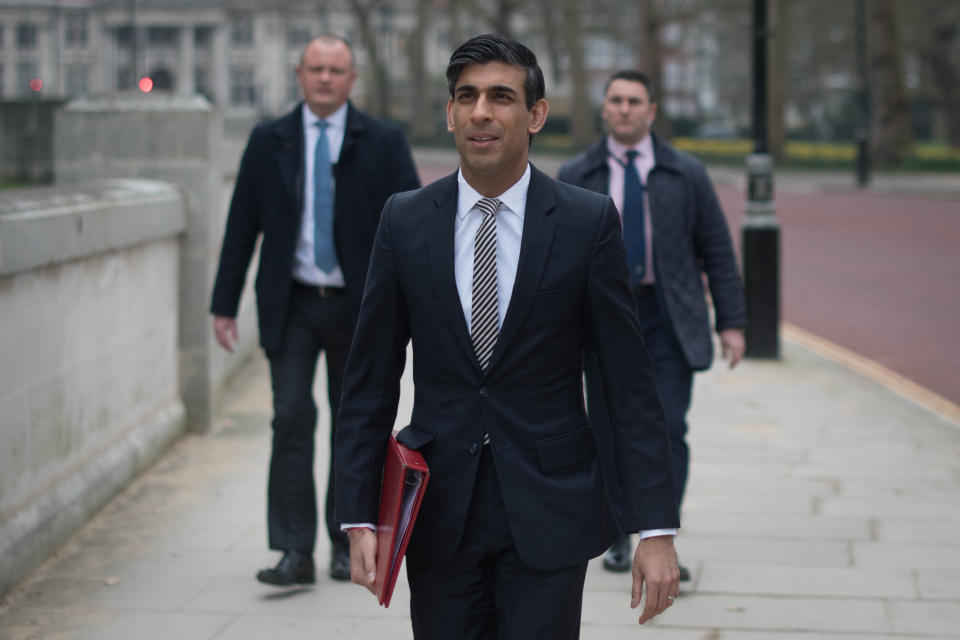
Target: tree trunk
pixel 946 76
pixel 422 118
pixel 377 80
pixel 581 120
pixel 651 62
pixel 777 73
pixel 892 125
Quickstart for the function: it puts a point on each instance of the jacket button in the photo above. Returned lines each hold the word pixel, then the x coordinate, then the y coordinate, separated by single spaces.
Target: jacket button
pixel 483 392
pixel 474 449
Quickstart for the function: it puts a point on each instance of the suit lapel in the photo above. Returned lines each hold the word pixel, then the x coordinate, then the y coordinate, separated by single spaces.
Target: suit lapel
pixel 351 131
pixel 535 245
pixel 440 245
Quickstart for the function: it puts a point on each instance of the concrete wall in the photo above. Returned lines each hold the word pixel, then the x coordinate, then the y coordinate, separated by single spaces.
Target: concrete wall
pixel 89 377
pixel 178 139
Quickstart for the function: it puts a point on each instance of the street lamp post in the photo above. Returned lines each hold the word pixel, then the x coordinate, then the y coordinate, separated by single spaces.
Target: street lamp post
pixel 863 131
pixel 761 231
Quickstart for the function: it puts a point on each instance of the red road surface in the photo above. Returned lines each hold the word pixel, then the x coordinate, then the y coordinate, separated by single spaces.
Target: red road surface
pixel 877 274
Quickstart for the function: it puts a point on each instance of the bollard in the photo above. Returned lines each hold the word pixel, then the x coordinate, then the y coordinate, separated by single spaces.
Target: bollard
pixel 761 261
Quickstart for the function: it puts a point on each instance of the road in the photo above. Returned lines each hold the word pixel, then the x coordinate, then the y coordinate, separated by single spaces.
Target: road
pixel 875 272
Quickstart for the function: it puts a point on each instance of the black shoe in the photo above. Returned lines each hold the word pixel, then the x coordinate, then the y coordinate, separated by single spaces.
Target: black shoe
pixel 340 564
pixel 684 574
pixel 617 558
pixel 294 567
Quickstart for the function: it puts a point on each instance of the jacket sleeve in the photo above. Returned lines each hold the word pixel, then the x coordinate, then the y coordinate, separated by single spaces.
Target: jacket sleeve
pixel 371 384
pixel 641 445
pixel 715 249
pixel 243 226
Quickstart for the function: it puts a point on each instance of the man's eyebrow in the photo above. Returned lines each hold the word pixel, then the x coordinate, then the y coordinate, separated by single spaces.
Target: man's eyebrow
pixel 496 87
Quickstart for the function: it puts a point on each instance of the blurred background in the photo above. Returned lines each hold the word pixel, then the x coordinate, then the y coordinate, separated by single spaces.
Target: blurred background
pixel 884 73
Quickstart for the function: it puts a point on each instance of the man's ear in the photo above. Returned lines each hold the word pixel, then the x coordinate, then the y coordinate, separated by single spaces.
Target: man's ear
pixel 653 114
pixel 450 126
pixel 538 116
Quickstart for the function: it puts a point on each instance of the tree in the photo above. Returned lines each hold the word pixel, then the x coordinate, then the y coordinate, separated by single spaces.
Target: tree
pixel 377 79
pixel 581 117
pixel 892 124
pixel 651 60
pixel 422 119
pixel 777 69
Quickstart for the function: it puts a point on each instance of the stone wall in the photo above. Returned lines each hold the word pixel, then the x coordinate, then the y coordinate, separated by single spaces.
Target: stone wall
pixel 89 377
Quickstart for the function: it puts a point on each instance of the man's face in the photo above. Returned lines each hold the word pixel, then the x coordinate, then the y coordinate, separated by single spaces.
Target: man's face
pixel 326 76
pixel 490 122
pixel 627 111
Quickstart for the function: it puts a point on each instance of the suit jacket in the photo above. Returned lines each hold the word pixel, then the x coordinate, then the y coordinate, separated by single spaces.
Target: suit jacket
pixel 374 163
pixel 690 237
pixel 570 290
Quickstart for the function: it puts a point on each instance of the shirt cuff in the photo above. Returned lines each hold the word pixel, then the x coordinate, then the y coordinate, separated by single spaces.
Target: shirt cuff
pixel 650 533
pixel 357 525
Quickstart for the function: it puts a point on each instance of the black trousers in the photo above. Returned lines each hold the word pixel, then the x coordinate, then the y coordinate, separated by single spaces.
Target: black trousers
pixel 486 592
pixel 674 379
pixel 314 324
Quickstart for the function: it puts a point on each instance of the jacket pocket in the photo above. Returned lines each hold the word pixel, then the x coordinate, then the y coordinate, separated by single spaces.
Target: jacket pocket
pixel 551 297
pixel 414 437
pixel 567 450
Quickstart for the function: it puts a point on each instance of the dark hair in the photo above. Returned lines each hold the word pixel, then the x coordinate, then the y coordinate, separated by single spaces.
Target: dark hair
pixel 632 76
pixel 492 47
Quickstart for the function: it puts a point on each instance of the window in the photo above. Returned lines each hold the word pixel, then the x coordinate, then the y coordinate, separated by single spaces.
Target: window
pixel 200 81
pixel 26 36
pixel 202 37
pixel 241 30
pixel 600 52
pixel 1 35
pixel 76 79
pixel 75 30
pixel 162 36
pixel 242 89
pixel 26 71
pixel 298 37
pixel 124 78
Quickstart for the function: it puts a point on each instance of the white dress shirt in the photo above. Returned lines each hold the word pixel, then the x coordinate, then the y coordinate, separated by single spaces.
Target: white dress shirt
pixel 644 162
pixel 305 269
pixel 509 234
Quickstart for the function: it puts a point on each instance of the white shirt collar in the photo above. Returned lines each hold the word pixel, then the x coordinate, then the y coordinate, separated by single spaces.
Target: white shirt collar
pixel 619 150
pixel 336 119
pixel 514 199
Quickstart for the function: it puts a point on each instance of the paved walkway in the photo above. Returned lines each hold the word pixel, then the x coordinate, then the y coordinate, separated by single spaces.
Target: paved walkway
pixel 821 505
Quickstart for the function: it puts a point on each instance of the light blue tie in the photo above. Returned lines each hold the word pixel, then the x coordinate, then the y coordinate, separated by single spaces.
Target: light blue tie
pixel 324 251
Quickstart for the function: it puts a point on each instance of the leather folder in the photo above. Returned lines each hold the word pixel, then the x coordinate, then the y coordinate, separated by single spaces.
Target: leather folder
pixel 405 476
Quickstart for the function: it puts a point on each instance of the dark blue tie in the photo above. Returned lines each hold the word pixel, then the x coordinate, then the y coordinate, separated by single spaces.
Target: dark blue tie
pixel 634 235
pixel 324 251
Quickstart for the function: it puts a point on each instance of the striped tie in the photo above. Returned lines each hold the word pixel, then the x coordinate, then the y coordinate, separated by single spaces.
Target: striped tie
pixel 484 317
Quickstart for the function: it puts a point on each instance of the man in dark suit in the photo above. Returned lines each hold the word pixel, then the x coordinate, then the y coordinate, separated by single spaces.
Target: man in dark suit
pixel 312 184
pixel 501 276
pixel 674 232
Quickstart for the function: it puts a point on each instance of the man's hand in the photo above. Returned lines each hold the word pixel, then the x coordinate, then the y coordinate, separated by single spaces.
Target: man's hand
pixel 363 557
pixel 733 344
pixel 655 563
pixel 225 330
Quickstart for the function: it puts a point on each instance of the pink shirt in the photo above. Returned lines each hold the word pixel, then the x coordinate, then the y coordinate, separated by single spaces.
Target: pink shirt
pixel 644 163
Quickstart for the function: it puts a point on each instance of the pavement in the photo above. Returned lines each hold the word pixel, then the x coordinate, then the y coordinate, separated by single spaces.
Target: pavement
pixel 821 505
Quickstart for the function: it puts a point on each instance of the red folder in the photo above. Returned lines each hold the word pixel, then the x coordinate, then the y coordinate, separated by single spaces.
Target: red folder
pixel 405 476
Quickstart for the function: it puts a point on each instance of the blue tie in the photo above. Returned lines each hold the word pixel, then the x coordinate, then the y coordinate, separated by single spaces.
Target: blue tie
pixel 324 251
pixel 634 235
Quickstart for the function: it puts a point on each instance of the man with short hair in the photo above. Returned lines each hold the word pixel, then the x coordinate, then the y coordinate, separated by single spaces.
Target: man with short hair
pixel 312 185
pixel 501 277
pixel 674 233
